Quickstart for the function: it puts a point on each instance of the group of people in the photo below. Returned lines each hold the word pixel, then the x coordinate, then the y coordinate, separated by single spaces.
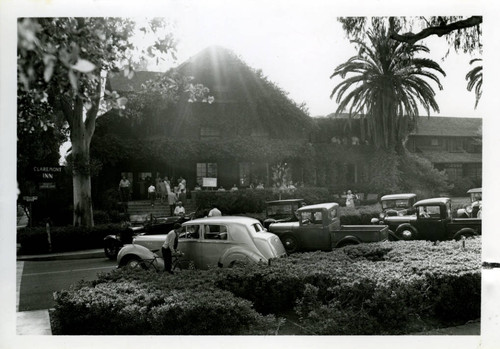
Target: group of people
pixel 161 189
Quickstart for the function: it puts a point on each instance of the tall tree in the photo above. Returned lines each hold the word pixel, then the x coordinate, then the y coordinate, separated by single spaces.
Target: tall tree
pixel 64 62
pixel 387 85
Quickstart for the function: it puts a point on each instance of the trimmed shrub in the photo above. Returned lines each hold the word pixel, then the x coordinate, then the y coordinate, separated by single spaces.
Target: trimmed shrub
pixel 127 307
pixel 380 288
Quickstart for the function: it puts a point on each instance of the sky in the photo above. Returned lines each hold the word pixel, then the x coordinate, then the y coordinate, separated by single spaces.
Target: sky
pixel 299 46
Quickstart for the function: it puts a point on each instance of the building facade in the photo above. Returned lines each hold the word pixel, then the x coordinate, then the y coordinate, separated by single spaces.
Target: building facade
pixel 451 144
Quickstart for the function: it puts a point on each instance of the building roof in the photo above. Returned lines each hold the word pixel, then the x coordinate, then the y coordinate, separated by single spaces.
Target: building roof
pixel 448 126
pixel 442 157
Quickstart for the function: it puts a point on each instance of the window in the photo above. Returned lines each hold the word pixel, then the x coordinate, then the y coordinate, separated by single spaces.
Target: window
pixel 209 133
pixel 260 134
pixel 456 145
pixel 215 232
pixel 429 212
pixel 454 171
pixel 257 227
pixel 244 174
pixel 205 169
pixel 190 232
pixel 434 141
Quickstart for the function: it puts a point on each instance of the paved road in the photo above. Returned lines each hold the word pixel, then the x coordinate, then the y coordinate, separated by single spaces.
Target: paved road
pixel 40 279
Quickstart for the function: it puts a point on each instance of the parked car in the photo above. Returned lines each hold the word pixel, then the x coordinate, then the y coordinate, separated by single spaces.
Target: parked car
pixel 433 221
pixel 213 241
pixel 145 224
pixel 318 228
pixel 397 205
pixel 282 211
pixel 474 210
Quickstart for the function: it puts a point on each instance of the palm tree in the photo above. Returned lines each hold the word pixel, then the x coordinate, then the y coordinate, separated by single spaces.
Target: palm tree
pixel 387 87
pixel 475 77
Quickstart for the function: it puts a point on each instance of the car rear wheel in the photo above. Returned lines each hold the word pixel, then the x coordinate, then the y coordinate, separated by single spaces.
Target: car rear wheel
pixel 290 243
pixel 407 232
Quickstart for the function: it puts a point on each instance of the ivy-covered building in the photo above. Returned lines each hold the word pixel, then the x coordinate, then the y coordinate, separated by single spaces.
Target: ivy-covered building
pixel 249 127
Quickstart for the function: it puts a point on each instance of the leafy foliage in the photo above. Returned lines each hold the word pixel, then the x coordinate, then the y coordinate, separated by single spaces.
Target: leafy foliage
pixel 475 80
pixel 387 86
pixel 380 288
pixel 459 32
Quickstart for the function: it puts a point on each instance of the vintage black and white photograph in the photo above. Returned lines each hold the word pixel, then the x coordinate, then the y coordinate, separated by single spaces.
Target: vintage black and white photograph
pixel 227 172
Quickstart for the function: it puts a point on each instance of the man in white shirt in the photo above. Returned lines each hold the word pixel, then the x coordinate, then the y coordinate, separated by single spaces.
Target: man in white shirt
pixel 214 212
pixel 170 246
pixel 179 209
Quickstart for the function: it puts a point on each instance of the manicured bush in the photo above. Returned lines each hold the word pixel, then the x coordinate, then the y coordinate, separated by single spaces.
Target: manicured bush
pixel 35 240
pixel 155 307
pixel 379 288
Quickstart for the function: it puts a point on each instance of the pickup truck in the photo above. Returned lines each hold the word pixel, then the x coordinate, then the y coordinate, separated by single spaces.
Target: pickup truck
pixel 282 211
pixel 433 221
pixel 318 228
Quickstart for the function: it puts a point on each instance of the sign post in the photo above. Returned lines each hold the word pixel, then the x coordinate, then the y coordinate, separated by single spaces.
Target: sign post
pixel 30 199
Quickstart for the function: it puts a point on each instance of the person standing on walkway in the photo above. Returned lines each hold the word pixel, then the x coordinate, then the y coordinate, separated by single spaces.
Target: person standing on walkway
pixel 124 188
pixel 349 199
pixel 152 194
pixel 169 247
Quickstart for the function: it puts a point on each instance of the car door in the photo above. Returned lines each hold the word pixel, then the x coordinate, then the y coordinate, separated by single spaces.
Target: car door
pixel 430 224
pixel 313 234
pixel 190 243
pixel 213 244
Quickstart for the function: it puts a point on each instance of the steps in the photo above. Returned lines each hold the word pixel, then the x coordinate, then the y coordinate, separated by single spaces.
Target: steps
pixel 143 207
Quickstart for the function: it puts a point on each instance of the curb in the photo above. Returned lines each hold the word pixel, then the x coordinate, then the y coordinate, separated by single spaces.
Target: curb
pixel 64 256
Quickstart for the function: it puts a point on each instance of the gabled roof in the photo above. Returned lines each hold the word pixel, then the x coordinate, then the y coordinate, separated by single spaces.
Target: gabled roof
pixel 448 126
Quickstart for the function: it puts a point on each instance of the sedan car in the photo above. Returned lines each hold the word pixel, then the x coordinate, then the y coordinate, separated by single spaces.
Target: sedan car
pixel 213 241
pixel 147 224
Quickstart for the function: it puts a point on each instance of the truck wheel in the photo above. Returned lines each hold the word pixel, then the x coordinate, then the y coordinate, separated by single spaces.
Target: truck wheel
pixel 290 243
pixel 407 232
pixel 466 235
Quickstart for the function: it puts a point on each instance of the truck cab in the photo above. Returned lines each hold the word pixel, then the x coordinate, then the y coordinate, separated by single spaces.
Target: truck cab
pixel 318 228
pixel 433 221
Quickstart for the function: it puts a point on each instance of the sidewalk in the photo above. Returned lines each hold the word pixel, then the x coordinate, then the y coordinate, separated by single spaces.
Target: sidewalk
pixel 37 322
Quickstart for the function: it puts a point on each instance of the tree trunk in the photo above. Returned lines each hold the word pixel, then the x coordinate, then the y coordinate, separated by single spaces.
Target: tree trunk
pixel 82 199
pixel 80 143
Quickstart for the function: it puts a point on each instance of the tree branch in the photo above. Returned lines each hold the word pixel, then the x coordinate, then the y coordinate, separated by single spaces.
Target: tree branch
pixel 412 38
pixel 92 112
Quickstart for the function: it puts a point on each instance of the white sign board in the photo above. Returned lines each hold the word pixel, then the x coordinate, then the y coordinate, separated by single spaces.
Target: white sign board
pixel 209 182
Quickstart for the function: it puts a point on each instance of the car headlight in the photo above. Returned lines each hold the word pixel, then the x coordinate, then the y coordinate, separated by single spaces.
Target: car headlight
pixel 469 209
pixel 381 215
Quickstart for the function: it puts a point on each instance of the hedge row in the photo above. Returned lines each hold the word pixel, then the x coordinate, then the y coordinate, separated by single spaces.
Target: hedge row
pixel 381 288
pixel 132 303
pixel 35 240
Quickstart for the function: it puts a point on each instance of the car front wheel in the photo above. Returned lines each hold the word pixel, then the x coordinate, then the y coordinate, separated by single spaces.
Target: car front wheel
pixel 407 233
pixel 290 243
pixel 111 250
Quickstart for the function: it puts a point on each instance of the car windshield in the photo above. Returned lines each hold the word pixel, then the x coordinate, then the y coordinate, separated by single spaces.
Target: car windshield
pixel 281 210
pixel 399 203
pixel 257 227
pixel 475 197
